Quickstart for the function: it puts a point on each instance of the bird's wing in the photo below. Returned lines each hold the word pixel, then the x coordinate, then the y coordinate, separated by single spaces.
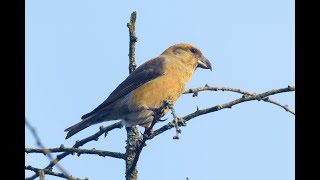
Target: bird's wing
pixel 143 74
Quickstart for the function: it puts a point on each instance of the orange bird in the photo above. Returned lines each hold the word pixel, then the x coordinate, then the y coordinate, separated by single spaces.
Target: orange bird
pixel 160 78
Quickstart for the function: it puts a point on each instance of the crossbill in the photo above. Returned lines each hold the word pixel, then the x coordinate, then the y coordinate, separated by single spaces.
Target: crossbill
pixel 162 78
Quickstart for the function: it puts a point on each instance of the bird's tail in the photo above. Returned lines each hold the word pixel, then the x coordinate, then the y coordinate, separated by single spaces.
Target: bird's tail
pixel 79 126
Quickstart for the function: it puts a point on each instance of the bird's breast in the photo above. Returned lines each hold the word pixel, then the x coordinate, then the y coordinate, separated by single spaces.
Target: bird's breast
pixel 168 86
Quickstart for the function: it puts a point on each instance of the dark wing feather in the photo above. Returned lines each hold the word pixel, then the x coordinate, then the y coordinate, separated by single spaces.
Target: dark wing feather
pixel 144 73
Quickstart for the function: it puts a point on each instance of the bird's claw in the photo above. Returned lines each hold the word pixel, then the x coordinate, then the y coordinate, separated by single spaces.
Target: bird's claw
pixel 157 113
pixel 162 120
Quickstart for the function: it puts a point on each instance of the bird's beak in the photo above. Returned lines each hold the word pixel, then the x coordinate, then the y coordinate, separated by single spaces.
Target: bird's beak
pixel 204 63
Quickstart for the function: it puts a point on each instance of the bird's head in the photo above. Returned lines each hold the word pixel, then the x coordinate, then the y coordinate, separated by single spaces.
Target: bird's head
pixel 189 55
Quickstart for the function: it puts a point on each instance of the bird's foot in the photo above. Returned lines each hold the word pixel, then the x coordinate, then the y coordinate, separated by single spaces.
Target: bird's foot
pixel 157 113
pixel 162 120
pixel 148 133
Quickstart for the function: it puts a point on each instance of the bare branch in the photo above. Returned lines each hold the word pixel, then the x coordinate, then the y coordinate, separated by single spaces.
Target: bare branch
pixel 132 143
pixel 211 88
pixel 103 130
pixel 132 132
pixel 133 39
pixel 47 171
pixel 285 107
pixel 78 151
pixel 226 105
pixel 40 144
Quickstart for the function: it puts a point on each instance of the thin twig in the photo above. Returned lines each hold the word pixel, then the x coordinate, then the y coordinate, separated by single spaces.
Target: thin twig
pixel 47 171
pixel 47 151
pixel 285 107
pixel 223 106
pixel 132 44
pixel 103 130
pixel 78 151
pixel 211 88
pixel 245 93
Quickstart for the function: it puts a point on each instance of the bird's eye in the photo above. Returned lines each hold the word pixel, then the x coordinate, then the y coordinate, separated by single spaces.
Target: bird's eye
pixel 193 50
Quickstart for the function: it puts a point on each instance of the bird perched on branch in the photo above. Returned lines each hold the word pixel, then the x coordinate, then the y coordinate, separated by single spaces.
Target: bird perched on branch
pixel 134 100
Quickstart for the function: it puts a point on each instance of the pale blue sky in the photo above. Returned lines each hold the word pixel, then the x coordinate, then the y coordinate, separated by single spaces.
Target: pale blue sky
pixel 77 53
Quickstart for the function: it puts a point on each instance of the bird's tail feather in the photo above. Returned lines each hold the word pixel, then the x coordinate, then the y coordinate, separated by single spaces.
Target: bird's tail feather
pixel 72 130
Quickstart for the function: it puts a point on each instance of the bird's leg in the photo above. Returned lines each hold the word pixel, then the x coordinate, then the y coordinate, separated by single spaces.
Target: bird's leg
pixel 148 133
pixel 158 113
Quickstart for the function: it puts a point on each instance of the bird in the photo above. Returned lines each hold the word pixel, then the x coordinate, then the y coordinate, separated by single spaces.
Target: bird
pixel 162 78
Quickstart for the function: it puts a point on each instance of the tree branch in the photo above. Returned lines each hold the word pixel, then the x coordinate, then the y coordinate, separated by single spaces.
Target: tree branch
pixel 78 151
pixel 103 130
pixel 47 171
pixel 223 106
pixel 39 143
pixel 285 107
pixel 132 44
pixel 132 132
pixel 211 88
pixel 131 148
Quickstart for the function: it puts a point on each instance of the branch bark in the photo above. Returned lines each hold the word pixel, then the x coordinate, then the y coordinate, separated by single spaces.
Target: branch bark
pixel 244 98
pixel 132 44
pixel 77 150
pixel 103 130
pixel 47 171
pixel 132 132
pixel 131 147
pixel 211 88
pixel 39 143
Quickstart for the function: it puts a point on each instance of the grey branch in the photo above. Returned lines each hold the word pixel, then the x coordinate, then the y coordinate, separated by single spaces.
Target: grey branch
pixel 223 106
pixel 211 88
pixel 103 130
pixel 47 171
pixel 40 144
pixel 133 39
pixel 132 132
pixel 78 151
pixel 245 93
pixel 285 107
